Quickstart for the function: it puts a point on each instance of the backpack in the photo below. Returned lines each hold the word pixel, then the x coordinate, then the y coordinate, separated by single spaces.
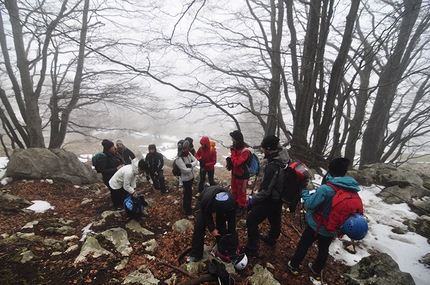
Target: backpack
pixel 175 170
pixel 294 177
pixel 134 206
pixel 252 165
pixel 226 247
pixel 95 158
pixel 344 204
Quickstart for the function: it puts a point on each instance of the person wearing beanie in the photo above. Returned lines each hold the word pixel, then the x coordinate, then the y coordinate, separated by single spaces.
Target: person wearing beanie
pixel 126 153
pixel 107 165
pixel 267 202
pixel 155 163
pixel 212 199
pixel 186 162
pixel 320 203
pixel 237 163
pixel 206 155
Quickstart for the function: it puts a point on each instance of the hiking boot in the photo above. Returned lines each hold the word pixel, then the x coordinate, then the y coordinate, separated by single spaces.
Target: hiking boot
pixel 240 211
pixel 247 251
pixel 268 240
pixel 294 270
pixel 192 259
pixel 317 274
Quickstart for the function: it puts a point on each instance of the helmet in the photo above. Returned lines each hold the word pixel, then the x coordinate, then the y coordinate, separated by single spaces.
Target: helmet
pixel 240 262
pixel 355 227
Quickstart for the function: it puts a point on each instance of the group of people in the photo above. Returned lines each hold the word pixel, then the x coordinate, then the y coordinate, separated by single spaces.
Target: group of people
pixel 266 203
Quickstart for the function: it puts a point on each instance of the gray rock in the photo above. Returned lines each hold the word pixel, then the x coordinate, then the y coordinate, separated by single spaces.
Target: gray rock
pixel 262 276
pixel 93 248
pixel 43 163
pixel 395 195
pixel 182 225
pixel 377 269
pixel 119 238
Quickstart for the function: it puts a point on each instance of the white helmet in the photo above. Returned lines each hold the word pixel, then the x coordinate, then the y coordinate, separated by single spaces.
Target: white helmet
pixel 241 261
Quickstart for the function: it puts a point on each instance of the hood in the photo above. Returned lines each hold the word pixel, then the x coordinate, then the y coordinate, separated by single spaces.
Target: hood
pixel 152 146
pixel 344 182
pixel 134 165
pixel 205 140
pixel 282 156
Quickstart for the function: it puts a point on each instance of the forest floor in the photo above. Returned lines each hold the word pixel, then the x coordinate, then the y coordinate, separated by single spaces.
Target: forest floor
pixel 46 268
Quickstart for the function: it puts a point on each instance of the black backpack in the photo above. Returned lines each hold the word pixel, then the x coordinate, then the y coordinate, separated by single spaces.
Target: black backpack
pixel 95 160
pixel 295 176
pixel 175 170
pixel 134 206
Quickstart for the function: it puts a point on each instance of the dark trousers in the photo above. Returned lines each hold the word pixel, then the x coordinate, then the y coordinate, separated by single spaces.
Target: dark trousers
pixel 188 193
pixel 200 230
pixel 307 239
pixel 203 178
pixel 159 181
pixel 270 209
pixel 118 196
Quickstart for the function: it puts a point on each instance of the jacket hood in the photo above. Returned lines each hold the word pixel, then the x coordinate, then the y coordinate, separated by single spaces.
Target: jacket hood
pixel 134 165
pixel 282 156
pixel 344 182
pixel 205 140
pixel 152 146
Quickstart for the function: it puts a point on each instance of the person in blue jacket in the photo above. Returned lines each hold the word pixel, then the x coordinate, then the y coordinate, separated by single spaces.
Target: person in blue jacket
pixel 314 231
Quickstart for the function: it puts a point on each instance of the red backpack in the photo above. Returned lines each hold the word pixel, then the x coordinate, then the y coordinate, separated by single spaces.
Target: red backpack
pixel 344 204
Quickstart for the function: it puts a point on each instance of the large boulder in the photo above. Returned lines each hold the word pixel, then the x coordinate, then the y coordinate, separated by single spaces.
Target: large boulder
pixel 377 269
pixel 42 163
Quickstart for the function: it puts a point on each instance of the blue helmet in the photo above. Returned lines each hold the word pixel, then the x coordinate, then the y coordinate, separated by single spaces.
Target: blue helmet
pixel 355 227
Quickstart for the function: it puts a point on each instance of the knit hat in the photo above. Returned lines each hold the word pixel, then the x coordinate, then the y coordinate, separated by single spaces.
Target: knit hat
pixel 237 136
pixel 190 140
pixel 119 142
pixel 270 142
pixel 107 144
pixel 338 166
pixel 221 203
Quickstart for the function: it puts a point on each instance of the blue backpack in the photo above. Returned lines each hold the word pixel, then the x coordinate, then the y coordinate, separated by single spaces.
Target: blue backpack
pixel 134 206
pixel 254 164
pixel 95 158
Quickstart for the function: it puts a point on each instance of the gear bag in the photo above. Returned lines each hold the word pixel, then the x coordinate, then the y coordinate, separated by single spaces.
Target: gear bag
pixel 294 177
pixel 251 166
pixel 344 204
pixel 175 170
pixel 134 206
pixel 95 158
pixel 227 247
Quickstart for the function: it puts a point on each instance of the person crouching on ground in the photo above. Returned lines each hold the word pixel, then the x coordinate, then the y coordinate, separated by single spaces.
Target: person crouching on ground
pixel 321 199
pixel 212 199
pixel 123 182
pixel 267 202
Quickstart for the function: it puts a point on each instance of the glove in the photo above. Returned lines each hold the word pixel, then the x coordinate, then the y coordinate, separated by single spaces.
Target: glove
pixel 250 204
pixel 188 165
pixel 202 163
pixel 229 165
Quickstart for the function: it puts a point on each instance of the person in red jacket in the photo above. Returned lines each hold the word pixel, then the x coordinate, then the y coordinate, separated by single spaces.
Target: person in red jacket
pixel 206 155
pixel 236 162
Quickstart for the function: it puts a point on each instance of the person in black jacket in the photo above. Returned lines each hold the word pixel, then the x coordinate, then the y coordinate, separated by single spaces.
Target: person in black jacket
pixel 267 202
pixel 107 165
pixel 126 153
pixel 155 162
pixel 212 199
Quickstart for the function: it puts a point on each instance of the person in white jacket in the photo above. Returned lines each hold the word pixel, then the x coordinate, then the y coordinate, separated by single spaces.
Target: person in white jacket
pixel 186 162
pixel 123 182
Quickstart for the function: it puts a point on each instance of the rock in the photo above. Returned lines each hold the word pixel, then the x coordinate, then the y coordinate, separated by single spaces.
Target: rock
pixel 426 259
pixel 43 163
pixel 119 238
pixel 395 195
pixel 136 227
pixel 182 225
pixel 377 269
pixel 141 276
pixel 93 248
pixel 262 276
